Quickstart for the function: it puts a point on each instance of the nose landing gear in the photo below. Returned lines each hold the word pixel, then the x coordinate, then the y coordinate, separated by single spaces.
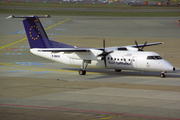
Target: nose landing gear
pixel 162 75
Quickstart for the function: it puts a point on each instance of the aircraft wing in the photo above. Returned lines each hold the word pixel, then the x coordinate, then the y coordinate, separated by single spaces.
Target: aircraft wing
pixel 90 49
pixel 148 44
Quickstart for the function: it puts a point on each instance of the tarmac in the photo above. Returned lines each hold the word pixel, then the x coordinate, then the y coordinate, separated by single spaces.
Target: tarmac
pixel 32 87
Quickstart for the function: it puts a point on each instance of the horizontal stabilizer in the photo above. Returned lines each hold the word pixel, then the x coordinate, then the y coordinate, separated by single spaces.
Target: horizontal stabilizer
pixel 29 16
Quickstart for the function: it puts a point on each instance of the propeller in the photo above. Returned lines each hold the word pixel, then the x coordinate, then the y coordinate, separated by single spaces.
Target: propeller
pixel 140 49
pixel 104 53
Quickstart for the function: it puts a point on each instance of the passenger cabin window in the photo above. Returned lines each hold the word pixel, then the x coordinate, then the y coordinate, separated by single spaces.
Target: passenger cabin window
pixel 154 57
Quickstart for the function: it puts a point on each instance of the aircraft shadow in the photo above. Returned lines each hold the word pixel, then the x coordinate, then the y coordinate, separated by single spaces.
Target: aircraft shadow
pixel 109 73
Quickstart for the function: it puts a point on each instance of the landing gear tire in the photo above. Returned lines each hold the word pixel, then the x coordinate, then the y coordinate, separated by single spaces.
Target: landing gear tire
pixel 82 72
pixel 117 70
pixel 162 75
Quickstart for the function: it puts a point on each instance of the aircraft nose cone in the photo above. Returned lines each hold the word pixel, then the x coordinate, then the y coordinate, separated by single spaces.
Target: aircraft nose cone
pixel 174 68
pixel 167 66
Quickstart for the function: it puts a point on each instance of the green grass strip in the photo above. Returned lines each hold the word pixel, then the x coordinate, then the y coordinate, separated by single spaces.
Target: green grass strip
pixel 87 6
pixel 89 13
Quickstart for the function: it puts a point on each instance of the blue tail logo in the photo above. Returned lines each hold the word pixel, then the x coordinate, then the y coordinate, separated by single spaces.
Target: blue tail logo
pixel 35 33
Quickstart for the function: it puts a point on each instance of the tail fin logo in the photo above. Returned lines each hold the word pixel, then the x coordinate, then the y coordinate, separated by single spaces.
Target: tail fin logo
pixel 34 32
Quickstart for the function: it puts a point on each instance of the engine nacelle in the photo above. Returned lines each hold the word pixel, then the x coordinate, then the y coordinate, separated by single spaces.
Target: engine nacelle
pixel 132 49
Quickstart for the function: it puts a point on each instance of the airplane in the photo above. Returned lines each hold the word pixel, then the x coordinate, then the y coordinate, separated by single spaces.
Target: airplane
pixel 130 57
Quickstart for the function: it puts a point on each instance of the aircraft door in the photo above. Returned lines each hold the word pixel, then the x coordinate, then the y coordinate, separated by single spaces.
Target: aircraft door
pixel 134 61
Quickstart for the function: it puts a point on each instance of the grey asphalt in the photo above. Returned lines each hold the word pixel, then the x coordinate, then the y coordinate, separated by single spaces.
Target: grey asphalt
pixel 29 80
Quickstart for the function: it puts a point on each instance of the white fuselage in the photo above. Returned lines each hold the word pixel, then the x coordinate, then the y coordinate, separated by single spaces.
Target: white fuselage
pixel 122 60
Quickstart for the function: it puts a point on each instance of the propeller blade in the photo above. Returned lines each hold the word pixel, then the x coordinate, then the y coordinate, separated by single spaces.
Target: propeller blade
pixel 105 62
pixel 136 44
pixel 109 52
pixel 104 53
pixel 144 45
pixel 100 55
pixel 104 44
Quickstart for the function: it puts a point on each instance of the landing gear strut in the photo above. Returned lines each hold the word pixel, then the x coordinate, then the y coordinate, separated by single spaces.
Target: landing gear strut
pixel 162 75
pixel 84 65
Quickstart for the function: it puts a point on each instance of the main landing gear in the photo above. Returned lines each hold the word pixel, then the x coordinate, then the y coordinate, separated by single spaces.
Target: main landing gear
pixel 84 65
pixel 82 72
pixel 117 70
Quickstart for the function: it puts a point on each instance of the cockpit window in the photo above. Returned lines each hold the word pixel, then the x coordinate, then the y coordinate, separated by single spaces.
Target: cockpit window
pixel 154 57
pixel 150 57
pixel 158 57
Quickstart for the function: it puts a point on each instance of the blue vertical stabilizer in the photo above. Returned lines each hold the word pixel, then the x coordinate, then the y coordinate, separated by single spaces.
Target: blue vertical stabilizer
pixel 36 34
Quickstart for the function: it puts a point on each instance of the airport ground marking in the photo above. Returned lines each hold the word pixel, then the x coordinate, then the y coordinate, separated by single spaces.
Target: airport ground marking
pixel 26 37
pixel 58 23
pixel 87 111
pixel 13 43
pixel 18 67
pixel 6 64
pixel 38 69
pixel 177 23
pixel 107 116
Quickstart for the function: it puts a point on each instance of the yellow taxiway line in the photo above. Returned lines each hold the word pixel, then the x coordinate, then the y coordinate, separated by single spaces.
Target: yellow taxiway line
pixel 11 66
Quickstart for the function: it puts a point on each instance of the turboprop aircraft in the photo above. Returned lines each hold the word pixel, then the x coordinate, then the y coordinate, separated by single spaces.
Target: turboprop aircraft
pixel 130 57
